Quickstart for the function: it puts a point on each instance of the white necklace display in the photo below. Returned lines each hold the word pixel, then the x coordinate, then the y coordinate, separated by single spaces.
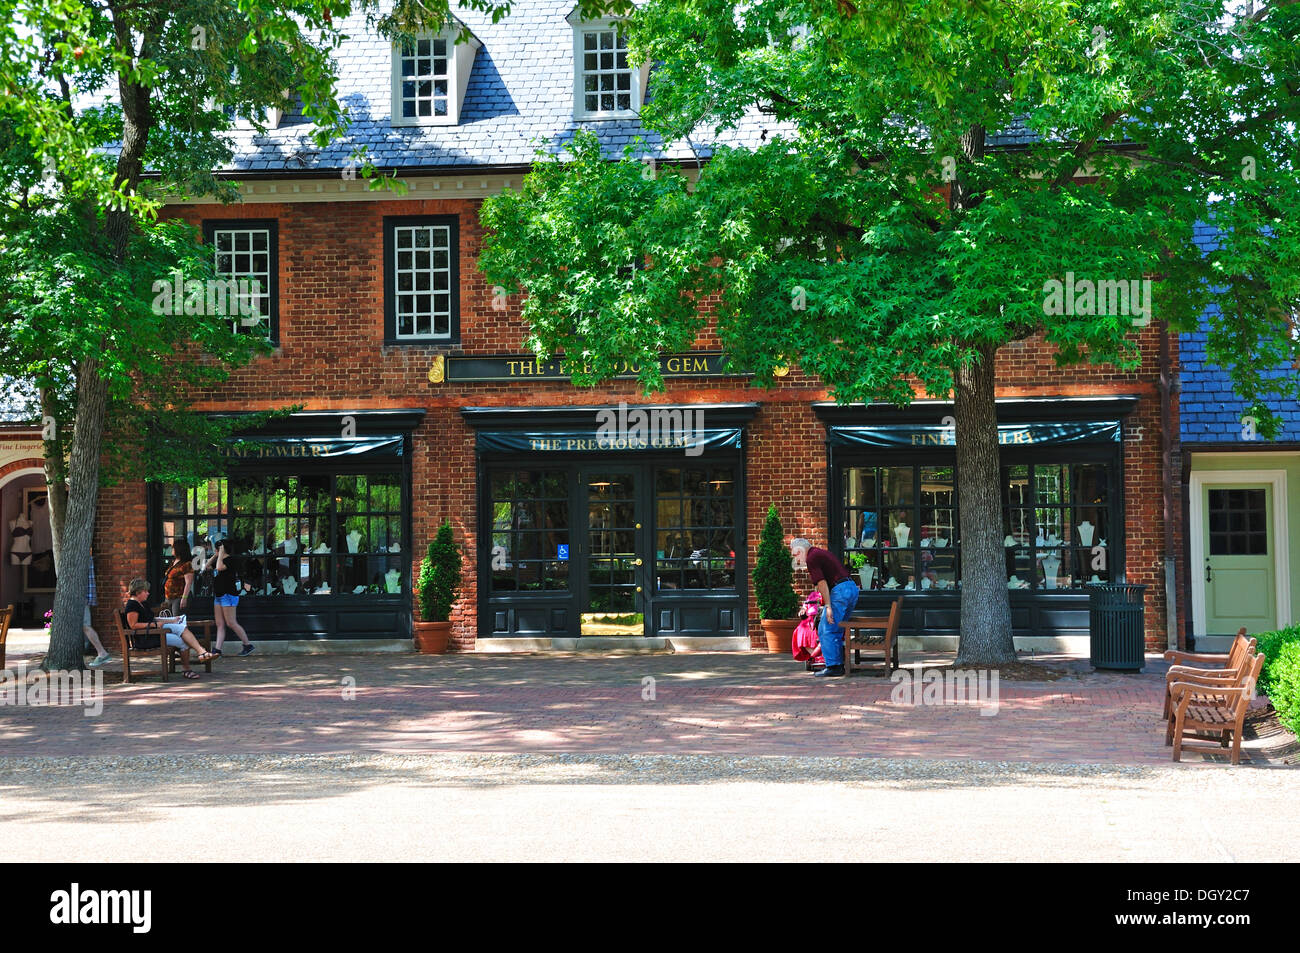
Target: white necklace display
pixel 901 532
pixel 322 548
pixel 394 548
pixel 354 540
pixel 290 546
pixel 1051 565
pixel 393 580
pixel 1085 533
pixel 1009 540
pixel 892 584
pixel 290 585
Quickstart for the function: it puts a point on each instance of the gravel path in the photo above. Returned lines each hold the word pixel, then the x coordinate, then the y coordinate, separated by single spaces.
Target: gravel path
pixel 635 807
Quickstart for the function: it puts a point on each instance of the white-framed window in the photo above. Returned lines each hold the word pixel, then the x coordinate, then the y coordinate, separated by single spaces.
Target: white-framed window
pixel 421 279
pixel 430 76
pixel 245 254
pixel 607 84
pixel 423 79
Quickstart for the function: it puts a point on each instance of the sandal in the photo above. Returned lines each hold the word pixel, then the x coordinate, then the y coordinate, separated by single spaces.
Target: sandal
pixel 206 657
pixel 190 675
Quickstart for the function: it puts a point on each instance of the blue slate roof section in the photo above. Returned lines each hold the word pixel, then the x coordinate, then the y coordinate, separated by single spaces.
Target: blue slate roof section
pixel 1210 412
pixel 519 98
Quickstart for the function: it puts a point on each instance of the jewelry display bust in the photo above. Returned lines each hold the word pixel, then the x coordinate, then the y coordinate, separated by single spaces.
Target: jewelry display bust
pixel 393 580
pixel 354 541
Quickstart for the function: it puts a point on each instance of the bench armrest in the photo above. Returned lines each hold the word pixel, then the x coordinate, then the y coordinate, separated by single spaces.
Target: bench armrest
pixel 1179 689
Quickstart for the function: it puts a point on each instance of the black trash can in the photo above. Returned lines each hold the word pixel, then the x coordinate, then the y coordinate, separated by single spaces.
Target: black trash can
pixel 1116 617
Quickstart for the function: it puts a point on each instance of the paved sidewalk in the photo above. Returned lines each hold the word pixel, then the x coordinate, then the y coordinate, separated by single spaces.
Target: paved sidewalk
pixel 730 704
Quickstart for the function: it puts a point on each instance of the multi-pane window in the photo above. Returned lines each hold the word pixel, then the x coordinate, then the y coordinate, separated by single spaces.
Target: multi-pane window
pixel 900 526
pixel 322 535
pixel 421 279
pixel 1238 522
pixel 695 522
pixel 605 75
pixel 245 264
pixel 1057 519
pixel 424 79
pixel 530 530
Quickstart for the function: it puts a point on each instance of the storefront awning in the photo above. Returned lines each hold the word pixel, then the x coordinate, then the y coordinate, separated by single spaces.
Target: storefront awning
pixel 371 446
pixel 591 440
pixel 1030 434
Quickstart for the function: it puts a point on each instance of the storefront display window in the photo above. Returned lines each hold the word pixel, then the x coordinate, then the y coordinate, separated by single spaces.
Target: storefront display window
pixel 530 530
pixel 696 528
pixel 900 526
pixel 329 534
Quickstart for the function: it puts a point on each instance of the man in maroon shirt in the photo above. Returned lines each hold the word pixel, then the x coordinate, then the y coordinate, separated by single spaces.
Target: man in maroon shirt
pixel 839 595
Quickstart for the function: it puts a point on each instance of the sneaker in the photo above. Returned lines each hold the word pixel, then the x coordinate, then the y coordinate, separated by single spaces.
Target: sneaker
pixel 99 660
pixel 248 649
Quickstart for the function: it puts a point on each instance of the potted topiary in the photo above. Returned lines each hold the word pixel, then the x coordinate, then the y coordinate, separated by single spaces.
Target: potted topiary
pixel 774 586
pixel 439 580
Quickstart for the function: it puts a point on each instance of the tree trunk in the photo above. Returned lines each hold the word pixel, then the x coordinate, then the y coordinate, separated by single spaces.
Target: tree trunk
pixel 985 602
pixel 79 527
pixel 56 478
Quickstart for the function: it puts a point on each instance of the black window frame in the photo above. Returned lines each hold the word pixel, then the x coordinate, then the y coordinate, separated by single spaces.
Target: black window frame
pixel 391 224
pixel 211 225
pixel 1107 455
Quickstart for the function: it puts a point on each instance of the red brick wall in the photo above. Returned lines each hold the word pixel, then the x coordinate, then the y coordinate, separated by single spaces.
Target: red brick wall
pixel 332 356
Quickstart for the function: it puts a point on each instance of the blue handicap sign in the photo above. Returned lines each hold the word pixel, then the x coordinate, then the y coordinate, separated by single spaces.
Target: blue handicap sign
pixel 562 551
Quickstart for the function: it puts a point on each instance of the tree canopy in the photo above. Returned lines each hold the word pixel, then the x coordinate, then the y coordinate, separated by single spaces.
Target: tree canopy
pixel 930 173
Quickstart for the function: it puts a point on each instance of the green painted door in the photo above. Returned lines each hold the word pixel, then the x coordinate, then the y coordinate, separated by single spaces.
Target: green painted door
pixel 1239 555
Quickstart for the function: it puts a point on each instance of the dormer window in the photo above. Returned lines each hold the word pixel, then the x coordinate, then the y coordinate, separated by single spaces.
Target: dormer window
pixel 430 74
pixel 607 85
pixel 425 74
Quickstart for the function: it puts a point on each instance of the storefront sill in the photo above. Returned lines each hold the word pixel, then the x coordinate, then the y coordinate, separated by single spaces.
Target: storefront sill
pixel 329 646
pixel 617 645
pixel 1055 644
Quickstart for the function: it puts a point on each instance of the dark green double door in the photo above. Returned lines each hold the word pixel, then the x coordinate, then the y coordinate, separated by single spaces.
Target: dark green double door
pixel 604 548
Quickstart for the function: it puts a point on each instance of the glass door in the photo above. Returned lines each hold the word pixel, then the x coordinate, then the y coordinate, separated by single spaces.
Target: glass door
pixel 614 564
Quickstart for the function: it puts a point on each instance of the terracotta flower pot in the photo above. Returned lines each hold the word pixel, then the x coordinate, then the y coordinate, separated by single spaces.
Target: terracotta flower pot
pixel 779 634
pixel 431 638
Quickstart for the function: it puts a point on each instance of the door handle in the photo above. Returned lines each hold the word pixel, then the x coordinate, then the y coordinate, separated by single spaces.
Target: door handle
pixel 638 588
pixel 1208 576
pixel 636 562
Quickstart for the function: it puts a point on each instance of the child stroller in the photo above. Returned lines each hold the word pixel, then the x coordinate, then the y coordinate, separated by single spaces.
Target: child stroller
pixel 806 646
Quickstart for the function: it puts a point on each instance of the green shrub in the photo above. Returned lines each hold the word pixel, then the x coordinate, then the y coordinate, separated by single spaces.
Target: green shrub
pixel 773 576
pixel 1280 679
pixel 439 576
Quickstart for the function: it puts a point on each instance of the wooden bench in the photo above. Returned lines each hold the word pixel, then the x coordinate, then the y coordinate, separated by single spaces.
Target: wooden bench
pixel 1213 667
pixel 6 614
pixel 859 637
pixel 1201 709
pixel 164 653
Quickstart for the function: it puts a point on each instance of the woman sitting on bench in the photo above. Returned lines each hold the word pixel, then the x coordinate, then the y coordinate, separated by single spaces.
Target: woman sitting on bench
pixel 140 616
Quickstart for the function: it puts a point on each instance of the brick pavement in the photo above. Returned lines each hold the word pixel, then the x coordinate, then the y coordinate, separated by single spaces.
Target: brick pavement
pixel 717 704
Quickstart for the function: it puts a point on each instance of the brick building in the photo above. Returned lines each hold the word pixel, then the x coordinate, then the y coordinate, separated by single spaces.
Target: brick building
pixel 422 404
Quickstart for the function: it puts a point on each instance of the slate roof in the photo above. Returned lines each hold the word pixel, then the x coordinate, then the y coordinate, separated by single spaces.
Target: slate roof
pixel 1210 412
pixel 519 98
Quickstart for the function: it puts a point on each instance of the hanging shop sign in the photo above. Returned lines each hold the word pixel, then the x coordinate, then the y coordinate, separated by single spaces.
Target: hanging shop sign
pixel 1045 434
pixel 526 367
pixel 20 447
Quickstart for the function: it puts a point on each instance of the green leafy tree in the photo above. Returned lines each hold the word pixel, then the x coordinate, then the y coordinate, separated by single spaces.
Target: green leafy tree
pixel 773 575
pixel 439 576
pixel 107 110
pixel 882 237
